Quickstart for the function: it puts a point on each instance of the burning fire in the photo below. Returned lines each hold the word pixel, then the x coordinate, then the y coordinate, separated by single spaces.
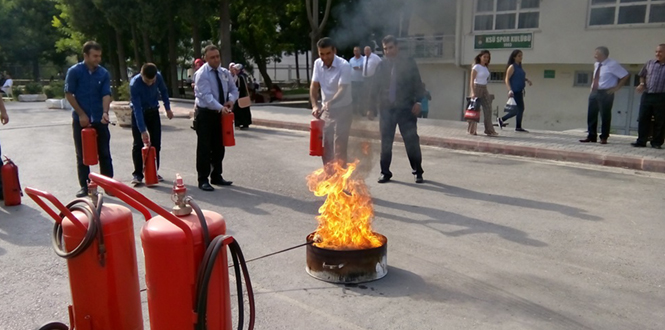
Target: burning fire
pixel 345 220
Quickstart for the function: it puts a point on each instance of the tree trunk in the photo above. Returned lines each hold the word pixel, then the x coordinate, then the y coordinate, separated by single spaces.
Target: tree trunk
pixel 35 70
pixel 263 70
pixel 122 63
pixel 147 50
pixel 115 74
pixel 135 45
pixel 196 33
pixel 297 71
pixel 225 33
pixel 173 59
pixel 307 66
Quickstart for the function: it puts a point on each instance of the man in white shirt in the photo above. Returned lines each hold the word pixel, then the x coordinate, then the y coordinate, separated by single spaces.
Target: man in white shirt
pixel 332 74
pixel 608 77
pixel 371 62
pixel 357 62
pixel 7 86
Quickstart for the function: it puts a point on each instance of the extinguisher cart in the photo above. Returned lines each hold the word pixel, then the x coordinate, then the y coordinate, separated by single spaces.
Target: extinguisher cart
pixel 186 275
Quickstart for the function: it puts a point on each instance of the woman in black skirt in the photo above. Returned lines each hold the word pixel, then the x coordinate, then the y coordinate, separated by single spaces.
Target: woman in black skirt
pixel 243 116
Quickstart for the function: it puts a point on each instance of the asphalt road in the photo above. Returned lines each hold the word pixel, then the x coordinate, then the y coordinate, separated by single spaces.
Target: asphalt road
pixel 488 242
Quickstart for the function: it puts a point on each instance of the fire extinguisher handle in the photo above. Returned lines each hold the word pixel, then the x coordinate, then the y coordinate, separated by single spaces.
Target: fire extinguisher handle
pixel 39 195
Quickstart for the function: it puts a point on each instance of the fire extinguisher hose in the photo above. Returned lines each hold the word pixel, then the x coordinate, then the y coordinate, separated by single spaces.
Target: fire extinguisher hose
pixel 202 220
pixel 94 230
pixel 205 272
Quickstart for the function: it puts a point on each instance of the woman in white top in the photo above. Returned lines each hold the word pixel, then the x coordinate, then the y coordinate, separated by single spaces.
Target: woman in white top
pixel 478 87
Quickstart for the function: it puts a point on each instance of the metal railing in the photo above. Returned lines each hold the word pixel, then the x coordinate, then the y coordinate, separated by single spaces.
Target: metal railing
pixel 440 47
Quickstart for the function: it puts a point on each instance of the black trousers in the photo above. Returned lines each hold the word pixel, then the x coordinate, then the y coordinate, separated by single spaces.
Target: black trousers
pixel 652 105
pixel 389 120
pixel 357 92
pixel 599 102
pixel 368 87
pixel 154 125
pixel 519 112
pixel 103 148
pixel 209 147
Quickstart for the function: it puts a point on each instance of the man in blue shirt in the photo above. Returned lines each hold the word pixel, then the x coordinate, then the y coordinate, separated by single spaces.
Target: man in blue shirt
pixel 145 90
pixel 216 92
pixel 88 90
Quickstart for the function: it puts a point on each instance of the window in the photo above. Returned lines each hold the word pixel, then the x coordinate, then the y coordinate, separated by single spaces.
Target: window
pixel 497 76
pixel 582 78
pixel 622 12
pixel 506 14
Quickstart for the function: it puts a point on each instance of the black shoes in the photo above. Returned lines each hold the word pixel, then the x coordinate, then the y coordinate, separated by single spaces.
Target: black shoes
pixel 384 178
pixel 82 193
pixel 221 182
pixel 206 187
pixel 418 178
pixel 656 147
pixel 638 145
pixel 519 129
pixel 587 140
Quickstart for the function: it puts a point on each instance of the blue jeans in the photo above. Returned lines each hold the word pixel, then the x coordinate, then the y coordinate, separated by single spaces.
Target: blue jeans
pixel 519 112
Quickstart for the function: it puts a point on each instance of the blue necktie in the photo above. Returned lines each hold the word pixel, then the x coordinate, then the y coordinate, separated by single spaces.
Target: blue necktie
pixel 221 89
pixel 392 91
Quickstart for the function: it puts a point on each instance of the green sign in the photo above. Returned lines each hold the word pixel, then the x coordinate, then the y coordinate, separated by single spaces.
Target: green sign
pixel 549 74
pixel 503 41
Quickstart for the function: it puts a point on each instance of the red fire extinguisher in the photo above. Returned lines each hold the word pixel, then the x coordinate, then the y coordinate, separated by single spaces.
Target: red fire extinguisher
pixel 89 146
pixel 228 130
pixel 97 239
pixel 11 186
pixel 150 165
pixel 316 137
pixel 185 244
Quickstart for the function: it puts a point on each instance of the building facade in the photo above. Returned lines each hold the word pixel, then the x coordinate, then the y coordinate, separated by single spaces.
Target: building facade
pixel 558 39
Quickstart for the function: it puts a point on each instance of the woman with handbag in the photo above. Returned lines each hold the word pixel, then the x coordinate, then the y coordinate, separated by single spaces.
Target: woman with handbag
pixel 480 75
pixel 241 109
pixel 515 82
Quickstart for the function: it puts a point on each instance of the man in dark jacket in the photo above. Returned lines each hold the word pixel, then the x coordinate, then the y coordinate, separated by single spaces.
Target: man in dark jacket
pixel 397 94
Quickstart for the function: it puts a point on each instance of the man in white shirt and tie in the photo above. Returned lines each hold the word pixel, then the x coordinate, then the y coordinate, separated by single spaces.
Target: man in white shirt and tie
pixel 215 92
pixel 608 77
pixel 371 62
pixel 357 62
pixel 332 74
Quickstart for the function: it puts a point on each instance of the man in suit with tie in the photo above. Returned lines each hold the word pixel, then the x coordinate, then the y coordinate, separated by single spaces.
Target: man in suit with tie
pixel 397 92
pixel 215 92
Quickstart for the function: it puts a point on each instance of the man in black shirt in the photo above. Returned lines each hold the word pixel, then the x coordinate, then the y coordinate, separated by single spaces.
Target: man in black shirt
pixel 397 92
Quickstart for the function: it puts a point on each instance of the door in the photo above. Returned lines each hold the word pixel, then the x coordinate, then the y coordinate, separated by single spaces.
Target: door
pixel 626 108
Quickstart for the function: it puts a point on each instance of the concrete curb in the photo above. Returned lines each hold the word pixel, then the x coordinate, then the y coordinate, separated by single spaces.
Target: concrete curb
pixel 650 165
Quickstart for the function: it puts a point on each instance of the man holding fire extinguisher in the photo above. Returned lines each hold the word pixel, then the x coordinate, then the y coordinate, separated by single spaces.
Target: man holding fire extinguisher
pixel 88 90
pixel 215 92
pixel 4 119
pixel 145 90
pixel 332 74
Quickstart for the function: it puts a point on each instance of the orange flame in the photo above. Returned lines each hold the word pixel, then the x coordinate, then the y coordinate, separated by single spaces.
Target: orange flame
pixel 345 220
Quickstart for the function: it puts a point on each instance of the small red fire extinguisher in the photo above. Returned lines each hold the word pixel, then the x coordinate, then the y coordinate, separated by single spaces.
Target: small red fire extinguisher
pixel 316 137
pixel 150 165
pixel 89 146
pixel 228 130
pixel 11 186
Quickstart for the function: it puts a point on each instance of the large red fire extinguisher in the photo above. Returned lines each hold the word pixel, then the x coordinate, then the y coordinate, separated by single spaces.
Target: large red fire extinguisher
pixel 97 239
pixel 316 137
pixel 228 129
pixel 186 244
pixel 11 186
pixel 149 154
pixel 89 146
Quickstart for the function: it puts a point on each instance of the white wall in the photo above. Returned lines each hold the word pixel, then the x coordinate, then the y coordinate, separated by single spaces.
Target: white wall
pixel 564 38
pixel 446 85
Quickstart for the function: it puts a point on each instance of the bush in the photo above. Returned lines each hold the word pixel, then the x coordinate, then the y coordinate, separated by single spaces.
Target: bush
pixel 16 91
pixel 50 93
pixel 33 88
pixel 55 89
pixel 123 92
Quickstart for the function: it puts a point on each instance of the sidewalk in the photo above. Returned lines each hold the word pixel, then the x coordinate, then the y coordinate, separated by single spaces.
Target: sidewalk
pixel 562 146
